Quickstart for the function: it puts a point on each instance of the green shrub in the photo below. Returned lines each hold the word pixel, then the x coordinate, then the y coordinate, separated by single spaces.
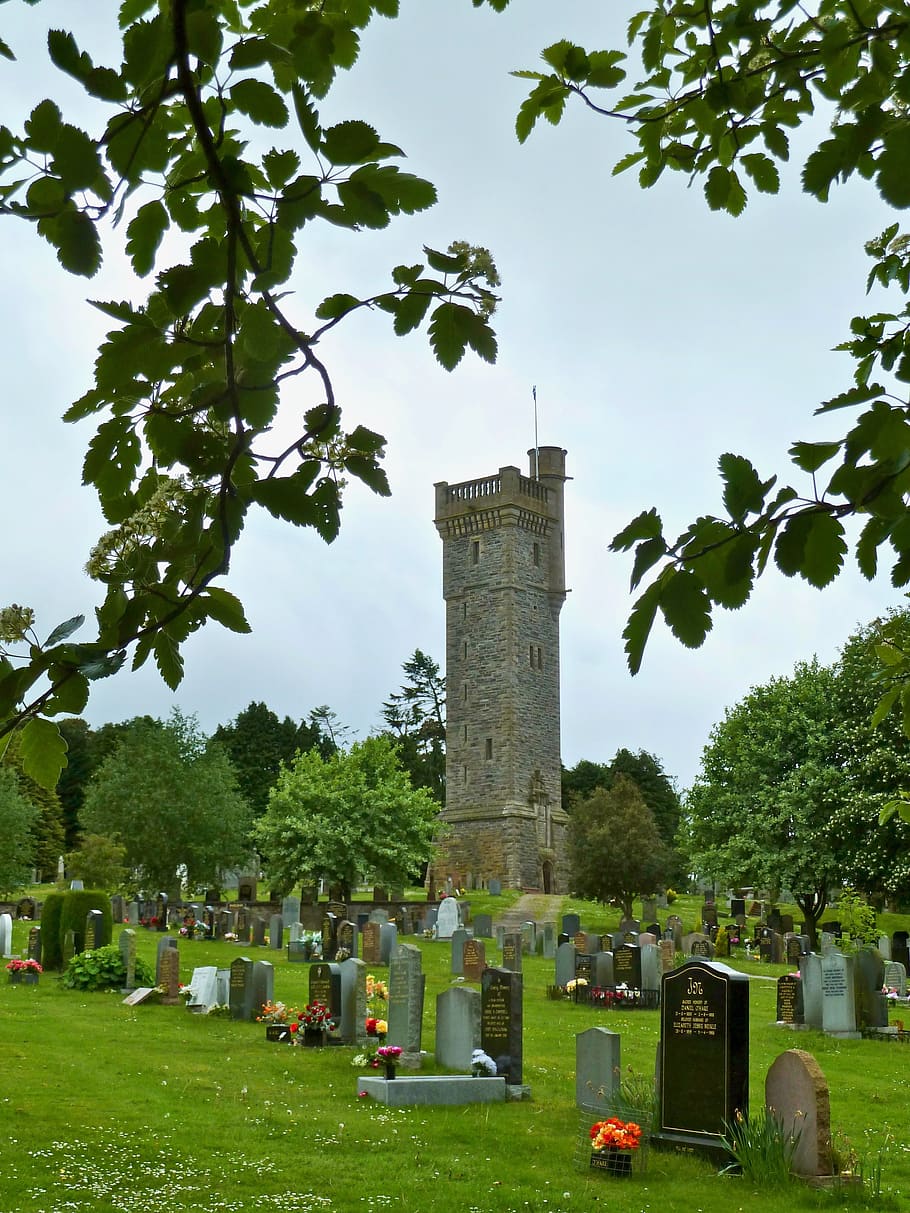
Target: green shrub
pixel 671 896
pixel 51 935
pixel 103 969
pixel 761 1147
pixel 76 905
pixel 722 943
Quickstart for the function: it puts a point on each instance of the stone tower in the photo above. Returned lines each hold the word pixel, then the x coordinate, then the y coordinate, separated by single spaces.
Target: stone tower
pixel 504 584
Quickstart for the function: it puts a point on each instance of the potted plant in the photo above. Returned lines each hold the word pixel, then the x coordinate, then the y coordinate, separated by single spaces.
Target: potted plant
pixel 613 1143
pixel 281 1023
pixel 27 971
pixel 388 1056
pixel 315 1021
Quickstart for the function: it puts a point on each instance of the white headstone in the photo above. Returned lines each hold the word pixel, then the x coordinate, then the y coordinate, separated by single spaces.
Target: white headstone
pixel 447 918
pixel 204 988
pixel 6 935
pixel 838 995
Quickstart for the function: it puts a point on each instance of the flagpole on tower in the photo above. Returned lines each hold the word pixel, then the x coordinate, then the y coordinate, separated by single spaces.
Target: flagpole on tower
pixel 536 444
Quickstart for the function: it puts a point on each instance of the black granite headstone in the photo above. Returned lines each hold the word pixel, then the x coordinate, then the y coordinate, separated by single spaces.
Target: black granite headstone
pixel 501 1021
pixel 627 966
pixel 704 1052
pixel 789 999
pixel 325 987
pixel 240 989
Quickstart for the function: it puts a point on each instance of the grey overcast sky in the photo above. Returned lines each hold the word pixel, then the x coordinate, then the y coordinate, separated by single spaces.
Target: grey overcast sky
pixel 658 334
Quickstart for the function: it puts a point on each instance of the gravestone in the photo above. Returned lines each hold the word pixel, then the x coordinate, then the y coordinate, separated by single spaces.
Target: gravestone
pixel 648 908
pixel 388 942
pixel 627 966
pixel 675 931
pixel 94 931
pixel 584 967
pixel 309 894
pixel 474 959
pixel 494 887
pixel 602 969
pixel 790 999
pixel 501 1022
pixel 646 938
pixel 786 924
pixel 895 978
pixel 210 922
pixel 667 955
pixel 371 943
pixel 378 915
pixel 774 919
pixel 117 909
pixel 838 997
pixel 709 915
pixel 170 977
pixel 597 1071
pixel 263 979
pixel 794 948
pixel 528 931
pixel 161 912
pixel 348 938
pixel 456 962
pixel 337 907
pixel 810 971
pixel 34 944
pixel 240 997
pixel 329 936
pixel 407 984
pixel 571 924
pixel 69 944
pixel 164 944
pixel 276 932
pixel 325 987
pixel 737 907
pixel 483 926
pixel 511 953
pixel 379 893
pixel 127 944
pixel 457 1027
pixel 629 926
pixel 699 945
pixel 203 989
pixel 132 913
pixel 703 1053
pixel 290 910
pixel 580 939
pixel 797 1094
pixel 869 978
pixel 565 964
pixel 650 967
pixel 884 946
pixel 246 888
pixel 549 940
pixel 353 1000
pixel 447 918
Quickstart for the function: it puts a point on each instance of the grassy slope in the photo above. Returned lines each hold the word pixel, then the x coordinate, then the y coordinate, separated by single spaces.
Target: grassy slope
pixel 135 1110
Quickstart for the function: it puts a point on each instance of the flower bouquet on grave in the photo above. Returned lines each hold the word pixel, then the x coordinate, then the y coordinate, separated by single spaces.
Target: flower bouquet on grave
pixel 613 1142
pixel 482 1065
pixel 24 970
pixel 315 1021
pixel 387 1055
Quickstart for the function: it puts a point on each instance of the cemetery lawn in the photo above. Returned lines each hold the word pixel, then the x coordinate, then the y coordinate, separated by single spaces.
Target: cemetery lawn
pixel 150 1109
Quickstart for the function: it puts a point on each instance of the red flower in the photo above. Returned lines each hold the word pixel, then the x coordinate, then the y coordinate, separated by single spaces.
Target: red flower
pixel 294 1027
pixel 371 1026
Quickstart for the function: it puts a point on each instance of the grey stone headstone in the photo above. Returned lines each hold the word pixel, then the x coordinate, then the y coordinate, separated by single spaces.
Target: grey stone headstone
pixel 528 938
pixel 295 931
pixel 797 1093
pixel 597 1069
pixel 501 1022
pixel 838 996
pixel 353 1000
pixel 511 953
pixel 884 946
pixel 458 940
pixel 667 955
pixel 603 970
pixel 457 1026
pixel 258 931
pixel 650 967
pixel 571 924
pixel 406 993
pixel 549 940
pixel 348 938
pixel 263 983
pixel 869 979
pixel 388 942
pixel 430 917
pixel 290 910
pixel 499 934
pixel 276 932
pixel 648 908
pixel 379 916
pixel 127 943
pixel 896 978
pixel 494 887
pixel 447 918
pixel 483 926
pixel 810 970
pixel 132 913
pixel 117 908
pixel 565 964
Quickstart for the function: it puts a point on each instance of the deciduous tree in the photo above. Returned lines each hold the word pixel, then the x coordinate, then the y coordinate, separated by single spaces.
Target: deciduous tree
pixel 16 817
pixel 350 817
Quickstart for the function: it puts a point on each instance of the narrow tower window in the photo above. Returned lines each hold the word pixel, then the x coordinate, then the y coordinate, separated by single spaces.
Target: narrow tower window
pixel 488 748
pixel 475 551
pixel 537 553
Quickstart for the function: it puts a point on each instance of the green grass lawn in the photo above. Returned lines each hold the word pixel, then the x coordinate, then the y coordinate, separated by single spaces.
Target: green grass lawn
pixel 139 1110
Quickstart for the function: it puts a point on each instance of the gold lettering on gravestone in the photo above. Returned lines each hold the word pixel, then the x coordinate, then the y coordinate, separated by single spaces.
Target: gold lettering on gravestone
pixel 694 1016
pixel 320 988
pixel 238 976
pixel 496 1012
pixel 622 961
pixel 786 1001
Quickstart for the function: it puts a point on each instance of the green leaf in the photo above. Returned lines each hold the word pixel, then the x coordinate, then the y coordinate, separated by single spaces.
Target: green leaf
pixel 70 696
pixel 307 116
pixel 225 608
pixel 6 52
pixel 454 327
pixel 763 172
pixel 43 751
pixel 686 608
pixel 43 127
pixel 810 456
pixel 76 159
pixel 103 667
pixel 811 544
pixel 638 627
pixel 893 179
pixel 336 305
pixel 647 555
pixel 144 235
pixel 260 102
pixel 884 706
pixel 724 191
pixel 744 491
pixel 62 630
pixel 168 659
pixel 369 471
pixel 76 240
pixel 888 654
pixel 350 143
pixel 64 53
pixel 646 525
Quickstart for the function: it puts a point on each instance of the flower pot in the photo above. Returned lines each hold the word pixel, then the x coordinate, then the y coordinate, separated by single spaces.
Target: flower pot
pixel 15 979
pixel 390 1070
pixel 279 1032
pixel 30 979
pixel 612 1162
pixel 313 1038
